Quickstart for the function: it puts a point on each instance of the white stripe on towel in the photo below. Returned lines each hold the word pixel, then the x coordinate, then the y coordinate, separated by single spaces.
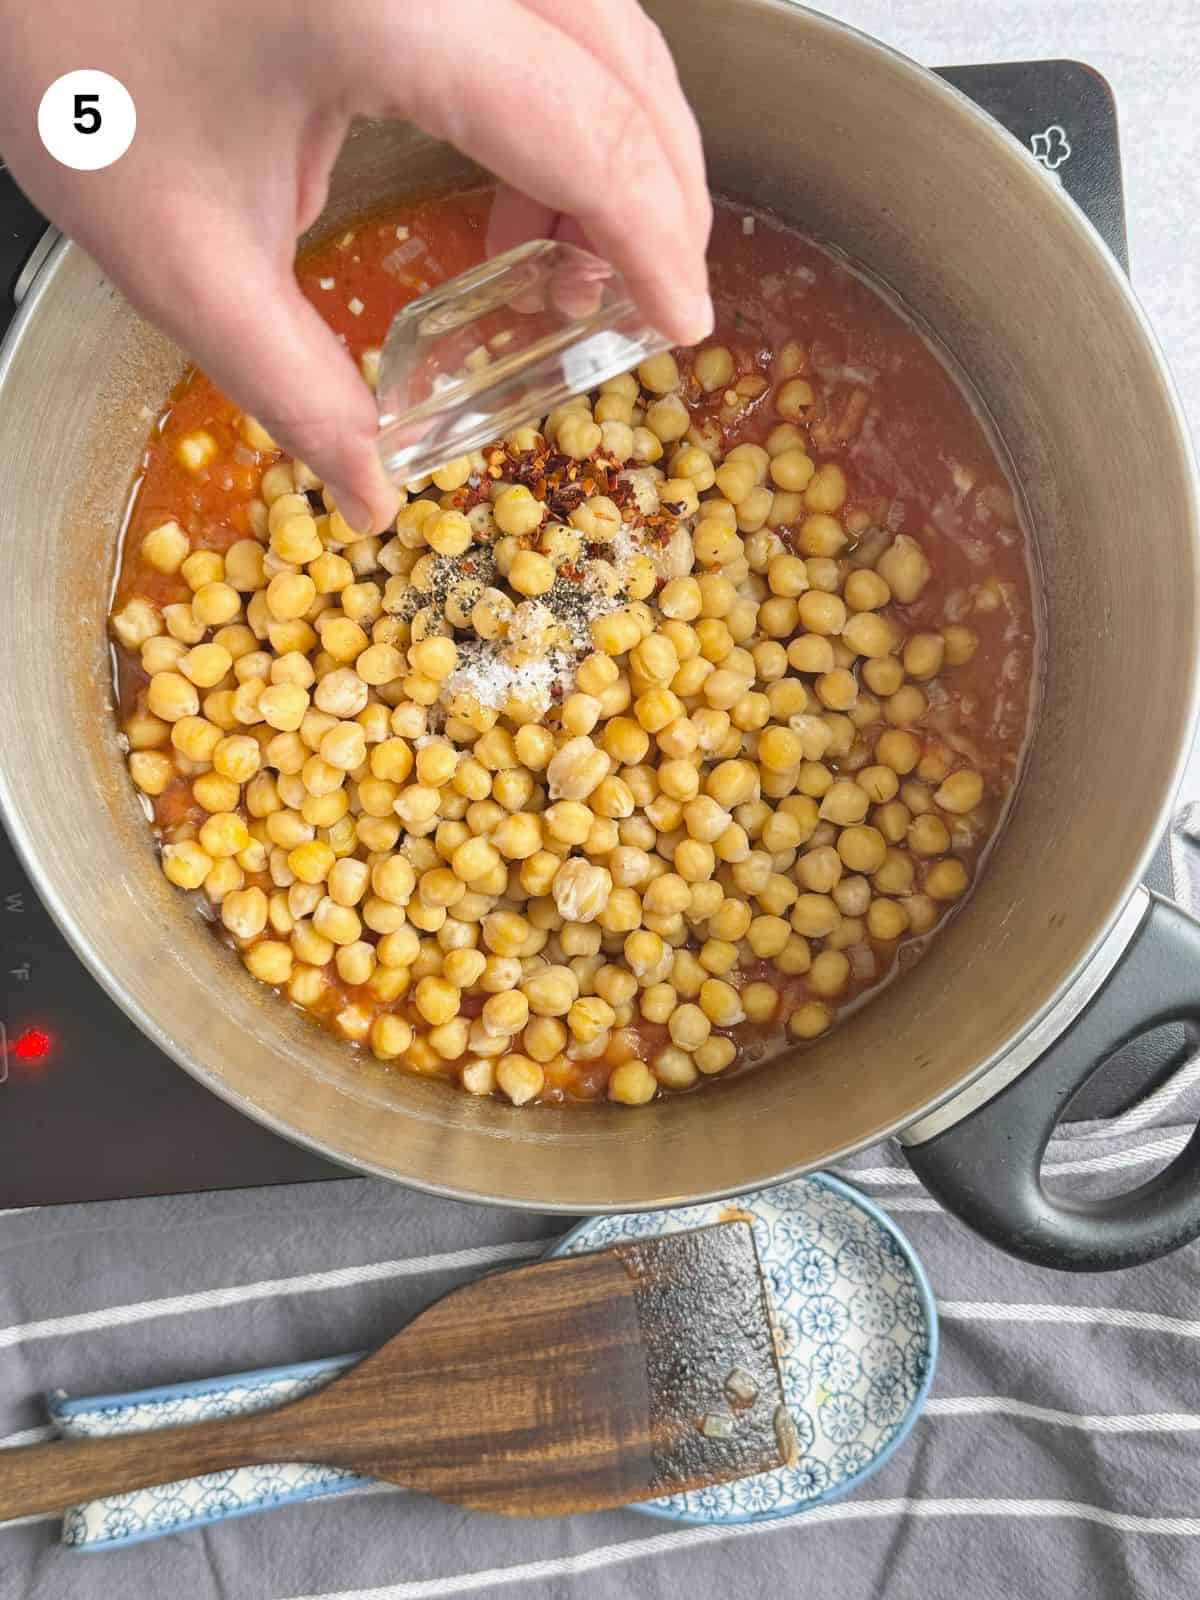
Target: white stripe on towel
pixel 1000 1405
pixel 13 1441
pixel 1089 1316
pixel 238 1294
pixel 664 1544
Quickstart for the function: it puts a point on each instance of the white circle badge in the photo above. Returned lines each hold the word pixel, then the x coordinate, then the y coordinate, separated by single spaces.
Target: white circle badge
pixel 87 119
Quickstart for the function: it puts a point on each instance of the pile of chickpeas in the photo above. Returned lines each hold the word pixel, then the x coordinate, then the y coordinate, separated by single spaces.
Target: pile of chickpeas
pixel 720 833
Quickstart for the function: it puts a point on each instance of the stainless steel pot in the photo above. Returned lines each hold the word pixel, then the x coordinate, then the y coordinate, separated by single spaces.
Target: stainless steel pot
pixel 859 146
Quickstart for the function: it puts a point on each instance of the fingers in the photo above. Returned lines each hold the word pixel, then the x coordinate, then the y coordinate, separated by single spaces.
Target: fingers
pixel 622 37
pixel 560 127
pixel 260 340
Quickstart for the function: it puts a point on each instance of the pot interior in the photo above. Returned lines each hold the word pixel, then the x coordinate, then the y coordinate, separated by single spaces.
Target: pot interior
pixel 855 146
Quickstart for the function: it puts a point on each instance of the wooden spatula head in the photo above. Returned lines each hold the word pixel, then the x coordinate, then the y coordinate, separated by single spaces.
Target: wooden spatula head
pixel 591 1381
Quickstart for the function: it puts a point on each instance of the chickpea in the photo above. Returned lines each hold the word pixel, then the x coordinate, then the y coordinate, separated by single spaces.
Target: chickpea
pixel 171 697
pixel 760 1001
pixel 928 835
pixel 544 1038
pixel 720 1003
pixel 845 803
pixel 882 676
pixel 632 1083
pixel 552 991
pixel 947 879
pixel 837 690
pixel 887 920
pixel 961 644
pixel 792 399
pixel 905 568
pixel 590 1018
pixel 809 1020
pixel 895 876
pixel 961 792
pixel 289 595
pixel 827 489
pixel 898 749
pixel 829 974
pixel 870 635
pixel 923 912
pixel 270 961
pixel 731 783
pixel 674 1068
pixel 715 1054
pixel 165 548
pixel 923 655
pixel 436 1000
pixel 391 1036
pixel 186 864
pixel 713 367
pixel 681 599
pixel 820 869
pixel 505 1014
pixel 689 1027
pixel 814 916
pixel 862 849
pixel 792 470
pixel 865 590
pixel 520 1078
pixel 821 613
pixel 787 576
pixel 659 374
pixel 906 706
pixel 576 769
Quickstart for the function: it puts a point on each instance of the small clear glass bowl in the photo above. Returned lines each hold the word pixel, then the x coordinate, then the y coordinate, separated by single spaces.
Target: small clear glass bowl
pixel 498 346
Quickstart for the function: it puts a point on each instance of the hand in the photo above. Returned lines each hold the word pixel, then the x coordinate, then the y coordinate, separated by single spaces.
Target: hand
pixel 241 111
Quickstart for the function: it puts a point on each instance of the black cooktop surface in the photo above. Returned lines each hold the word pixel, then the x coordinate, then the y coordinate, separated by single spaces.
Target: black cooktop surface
pixel 89 1109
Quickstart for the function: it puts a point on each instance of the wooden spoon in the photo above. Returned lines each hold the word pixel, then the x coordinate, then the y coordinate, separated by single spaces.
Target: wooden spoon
pixel 569 1385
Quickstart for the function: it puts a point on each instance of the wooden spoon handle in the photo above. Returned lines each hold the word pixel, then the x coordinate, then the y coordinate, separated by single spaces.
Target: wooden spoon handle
pixel 50 1477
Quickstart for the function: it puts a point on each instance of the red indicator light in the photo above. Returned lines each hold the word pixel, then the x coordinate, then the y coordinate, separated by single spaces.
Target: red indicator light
pixel 31 1045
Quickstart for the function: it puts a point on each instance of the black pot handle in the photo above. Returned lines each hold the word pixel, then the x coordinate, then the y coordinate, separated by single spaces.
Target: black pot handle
pixel 987 1168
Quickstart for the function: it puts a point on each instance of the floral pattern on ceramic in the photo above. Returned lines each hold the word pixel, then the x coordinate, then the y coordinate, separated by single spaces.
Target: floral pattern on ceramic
pixel 172 1507
pixel 857 1330
pixel 857 1337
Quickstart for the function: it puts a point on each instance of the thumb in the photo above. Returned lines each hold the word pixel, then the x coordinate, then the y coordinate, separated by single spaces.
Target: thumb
pixel 260 340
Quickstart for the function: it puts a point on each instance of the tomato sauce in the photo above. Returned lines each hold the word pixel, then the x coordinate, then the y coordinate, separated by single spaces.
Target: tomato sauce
pixel 917 456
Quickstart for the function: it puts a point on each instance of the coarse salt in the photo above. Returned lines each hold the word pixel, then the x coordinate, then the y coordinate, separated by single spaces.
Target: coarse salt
pixel 356 307
pixel 484 675
pixel 325 283
pixel 747 224
pixel 627 543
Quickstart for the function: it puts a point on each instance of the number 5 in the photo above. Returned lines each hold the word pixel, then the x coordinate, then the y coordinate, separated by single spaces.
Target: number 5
pixel 87 114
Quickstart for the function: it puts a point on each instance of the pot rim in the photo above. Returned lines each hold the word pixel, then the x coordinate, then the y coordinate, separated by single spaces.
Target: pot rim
pixel 1024 169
